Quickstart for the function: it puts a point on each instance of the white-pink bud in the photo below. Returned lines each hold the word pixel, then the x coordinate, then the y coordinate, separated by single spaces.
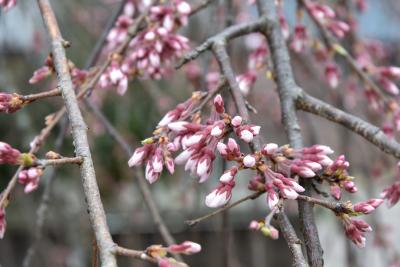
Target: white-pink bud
pixel 249 161
pixel 236 121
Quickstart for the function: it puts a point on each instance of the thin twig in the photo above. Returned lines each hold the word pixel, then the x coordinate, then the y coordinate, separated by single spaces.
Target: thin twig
pixel 41 95
pixel 53 162
pixel 229 206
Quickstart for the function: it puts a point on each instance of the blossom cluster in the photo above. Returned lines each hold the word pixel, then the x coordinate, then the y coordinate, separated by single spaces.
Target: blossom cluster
pixel 10 103
pixel 151 51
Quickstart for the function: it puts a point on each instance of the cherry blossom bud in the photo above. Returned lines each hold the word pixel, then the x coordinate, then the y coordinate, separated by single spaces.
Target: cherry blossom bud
pixel 3 222
pixel 272 198
pixel 367 206
pixel 222 149
pixel 249 161
pixel 150 174
pixel 220 195
pixel 30 178
pixel 184 156
pixel 289 193
pixel 233 147
pixel 246 136
pixel 229 175
pixel 332 75
pixel 391 194
pixel 168 118
pixel 169 163
pixel 335 191
pixel 270 231
pixel 183 8
pixel 391 72
pixel 9 155
pixel 389 86
pixel 270 149
pixel 186 247
pixel 299 38
pixel 178 126
pixel 236 121
pixel 138 156
pixel 218 129
pixel 254 225
pixel 219 104
pixel 192 140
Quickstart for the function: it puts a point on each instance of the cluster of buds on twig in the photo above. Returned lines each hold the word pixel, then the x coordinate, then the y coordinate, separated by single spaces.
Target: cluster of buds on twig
pixel 327 17
pixel 151 51
pixel 338 177
pixel 386 77
pixel 7 4
pixel 160 253
pixel 78 76
pixel 267 230
pixel 156 151
pixel 355 229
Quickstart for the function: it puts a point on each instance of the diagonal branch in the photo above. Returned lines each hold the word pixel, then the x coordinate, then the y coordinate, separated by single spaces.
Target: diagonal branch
pixel 79 132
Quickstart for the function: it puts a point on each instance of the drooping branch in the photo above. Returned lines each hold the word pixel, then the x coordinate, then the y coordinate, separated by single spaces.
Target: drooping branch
pixel 79 132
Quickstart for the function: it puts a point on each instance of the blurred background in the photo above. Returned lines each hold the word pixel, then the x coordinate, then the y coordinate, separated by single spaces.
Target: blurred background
pixel 226 241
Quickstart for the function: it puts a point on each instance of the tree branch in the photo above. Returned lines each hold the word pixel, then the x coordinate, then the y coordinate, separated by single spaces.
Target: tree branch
pixel 288 91
pixel 368 131
pixel 79 132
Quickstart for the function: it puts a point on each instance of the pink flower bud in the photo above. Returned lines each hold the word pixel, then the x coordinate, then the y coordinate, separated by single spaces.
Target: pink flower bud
pixel 236 121
pixel 246 136
pixel 183 8
pixel 220 195
pixel 217 130
pixel 270 149
pixel 249 161
pixel 219 104
pixel 222 149
pixel 289 193
pixel 186 247
pixel 335 191
pixel 3 223
pixel 178 126
pixel 272 198
pixel 332 75
pixel 137 157
pixel 254 225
